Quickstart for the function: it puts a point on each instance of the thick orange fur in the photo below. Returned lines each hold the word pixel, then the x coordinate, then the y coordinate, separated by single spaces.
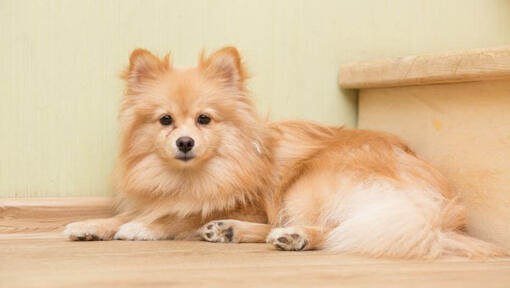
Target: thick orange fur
pixel 297 185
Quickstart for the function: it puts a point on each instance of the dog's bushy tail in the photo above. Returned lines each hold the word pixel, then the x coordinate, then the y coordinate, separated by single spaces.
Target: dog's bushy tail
pixel 459 244
pixel 451 239
pixel 403 233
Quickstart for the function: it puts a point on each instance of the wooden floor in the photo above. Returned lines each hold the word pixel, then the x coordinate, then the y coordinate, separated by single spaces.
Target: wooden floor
pixel 48 260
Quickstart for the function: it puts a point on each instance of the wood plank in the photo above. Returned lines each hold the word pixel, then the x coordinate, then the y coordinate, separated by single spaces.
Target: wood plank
pixel 60 263
pixel 464 66
pixel 33 253
pixel 40 215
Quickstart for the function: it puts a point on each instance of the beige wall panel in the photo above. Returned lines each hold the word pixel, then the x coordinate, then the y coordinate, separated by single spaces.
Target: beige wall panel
pixel 59 60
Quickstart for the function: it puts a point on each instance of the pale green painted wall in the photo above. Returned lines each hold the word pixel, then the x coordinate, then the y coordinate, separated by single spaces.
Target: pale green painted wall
pixel 59 60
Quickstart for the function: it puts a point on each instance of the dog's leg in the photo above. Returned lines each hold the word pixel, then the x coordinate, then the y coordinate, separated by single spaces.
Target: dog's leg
pixel 234 231
pixel 297 238
pixel 138 229
pixel 95 229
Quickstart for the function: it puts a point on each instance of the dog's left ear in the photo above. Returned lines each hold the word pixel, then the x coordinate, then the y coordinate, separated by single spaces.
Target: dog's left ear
pixel 225 65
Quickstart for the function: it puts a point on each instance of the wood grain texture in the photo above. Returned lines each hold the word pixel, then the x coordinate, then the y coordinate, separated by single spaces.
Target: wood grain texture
pixel 465 66
pixel 32 256
pixel 55 262
pixel 42 215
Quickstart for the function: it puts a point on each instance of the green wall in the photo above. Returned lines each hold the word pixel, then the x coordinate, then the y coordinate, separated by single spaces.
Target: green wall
pixel 59 61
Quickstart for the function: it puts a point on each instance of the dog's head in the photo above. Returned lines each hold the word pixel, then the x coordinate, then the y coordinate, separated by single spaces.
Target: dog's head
pixel 184 118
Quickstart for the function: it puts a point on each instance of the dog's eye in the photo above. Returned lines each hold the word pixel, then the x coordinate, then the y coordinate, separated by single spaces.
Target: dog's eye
pixel 203 119
pixel 165 120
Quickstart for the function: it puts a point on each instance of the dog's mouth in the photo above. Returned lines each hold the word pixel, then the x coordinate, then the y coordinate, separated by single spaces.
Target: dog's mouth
pixel 184 157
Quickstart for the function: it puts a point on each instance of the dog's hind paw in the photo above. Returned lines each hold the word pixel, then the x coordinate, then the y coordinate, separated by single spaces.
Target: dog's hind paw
pixel 287 239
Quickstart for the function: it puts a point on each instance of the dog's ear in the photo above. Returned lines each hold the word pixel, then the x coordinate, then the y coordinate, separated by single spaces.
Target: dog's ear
pixel 144 65
pixel 225 65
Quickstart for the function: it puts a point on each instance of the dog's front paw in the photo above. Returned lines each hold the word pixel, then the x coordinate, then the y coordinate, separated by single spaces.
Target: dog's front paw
pixel 137 231
pixel 218 231
pixel 287 239
pixel 91 230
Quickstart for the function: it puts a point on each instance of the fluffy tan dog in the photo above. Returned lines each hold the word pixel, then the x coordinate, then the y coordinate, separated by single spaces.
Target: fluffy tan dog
pixel 196 162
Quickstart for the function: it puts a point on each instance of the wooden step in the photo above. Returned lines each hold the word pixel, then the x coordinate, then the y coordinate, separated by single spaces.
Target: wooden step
pixel 454 110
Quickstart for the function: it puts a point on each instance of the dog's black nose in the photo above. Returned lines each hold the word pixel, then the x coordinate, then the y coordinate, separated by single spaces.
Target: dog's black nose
pixel 185 143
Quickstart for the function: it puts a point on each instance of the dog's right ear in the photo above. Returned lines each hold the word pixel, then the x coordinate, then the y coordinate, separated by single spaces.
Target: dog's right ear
pixel 144 65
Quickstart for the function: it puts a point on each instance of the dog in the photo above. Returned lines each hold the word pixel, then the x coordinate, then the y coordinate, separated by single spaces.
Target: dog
pixel 196 162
